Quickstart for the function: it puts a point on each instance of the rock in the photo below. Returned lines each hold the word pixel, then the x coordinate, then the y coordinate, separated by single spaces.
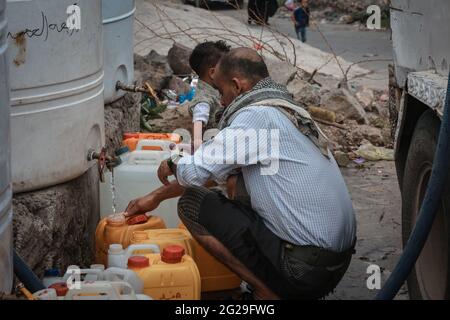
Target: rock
pixel 178 57
pixel 342 158
pixel 372 153
pixel 347 19
pixel 366 98
pixel 121 116
pixel 304 92
pixel 372 134
pixel 322 114
pixel 280 71
pixel 172 119
pixel 341 101
pixel 55 227
pixel 154 69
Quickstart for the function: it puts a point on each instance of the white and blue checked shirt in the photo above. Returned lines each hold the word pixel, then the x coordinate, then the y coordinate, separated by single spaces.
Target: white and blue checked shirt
pixel 304 201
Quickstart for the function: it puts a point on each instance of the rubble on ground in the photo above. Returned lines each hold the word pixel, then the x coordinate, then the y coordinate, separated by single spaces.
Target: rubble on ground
pixel 349 117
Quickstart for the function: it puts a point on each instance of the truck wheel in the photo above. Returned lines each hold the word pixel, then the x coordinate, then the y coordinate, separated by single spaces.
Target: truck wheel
pixel 430 276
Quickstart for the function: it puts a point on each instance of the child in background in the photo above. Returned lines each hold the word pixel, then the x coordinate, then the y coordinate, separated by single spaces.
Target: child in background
pixel 206 102
pixel 300 17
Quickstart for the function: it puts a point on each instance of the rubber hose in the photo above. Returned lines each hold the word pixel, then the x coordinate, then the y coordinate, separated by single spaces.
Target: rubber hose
pixel 26 275
pixel 428 210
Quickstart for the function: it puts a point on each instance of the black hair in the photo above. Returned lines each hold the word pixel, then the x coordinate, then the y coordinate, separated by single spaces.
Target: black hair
pixel 251 67
pixel 206 55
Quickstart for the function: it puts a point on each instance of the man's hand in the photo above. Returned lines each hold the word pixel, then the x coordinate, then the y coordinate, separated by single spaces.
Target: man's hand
pixel 151 201
pixel 164 172
pixel 142 205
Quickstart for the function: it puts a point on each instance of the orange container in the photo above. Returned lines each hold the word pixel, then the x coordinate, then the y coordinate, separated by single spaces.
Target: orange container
pixel 171 275
pixel 164 238
pixel 131 139
pixel 115 229
pixel 215 276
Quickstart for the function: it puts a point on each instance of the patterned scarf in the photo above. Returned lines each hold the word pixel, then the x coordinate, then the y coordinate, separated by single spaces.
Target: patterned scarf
pixel 269 93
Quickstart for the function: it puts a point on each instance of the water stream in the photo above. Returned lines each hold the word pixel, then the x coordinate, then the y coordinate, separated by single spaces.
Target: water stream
pixel 113 191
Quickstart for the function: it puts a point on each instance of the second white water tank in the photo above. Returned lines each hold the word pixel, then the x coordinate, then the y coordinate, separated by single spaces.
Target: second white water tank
pixel 56 75
pixel 118 21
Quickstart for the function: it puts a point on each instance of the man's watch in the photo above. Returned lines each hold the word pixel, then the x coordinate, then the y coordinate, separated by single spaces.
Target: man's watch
pixel 172 162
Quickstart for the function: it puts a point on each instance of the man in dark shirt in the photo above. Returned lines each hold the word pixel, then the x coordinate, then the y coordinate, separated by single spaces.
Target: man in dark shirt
pixel 300 17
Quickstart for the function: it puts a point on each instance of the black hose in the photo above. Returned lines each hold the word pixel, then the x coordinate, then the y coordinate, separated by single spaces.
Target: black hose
pixel 428 210
pixel 25 275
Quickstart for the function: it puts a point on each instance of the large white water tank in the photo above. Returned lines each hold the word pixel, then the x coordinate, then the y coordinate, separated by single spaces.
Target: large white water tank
pixel 118 21
pixel 6 268
pixel 56 80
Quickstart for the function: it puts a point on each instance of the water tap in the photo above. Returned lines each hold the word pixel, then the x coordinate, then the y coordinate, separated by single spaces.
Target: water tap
pixel 103 160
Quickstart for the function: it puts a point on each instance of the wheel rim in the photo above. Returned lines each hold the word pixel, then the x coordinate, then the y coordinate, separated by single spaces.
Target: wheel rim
pixel 431 267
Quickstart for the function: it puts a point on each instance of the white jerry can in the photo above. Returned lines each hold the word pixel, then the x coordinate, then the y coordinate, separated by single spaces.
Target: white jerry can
pixel 136 177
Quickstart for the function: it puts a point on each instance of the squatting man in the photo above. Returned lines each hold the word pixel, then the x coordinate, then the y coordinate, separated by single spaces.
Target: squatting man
pixel 288 235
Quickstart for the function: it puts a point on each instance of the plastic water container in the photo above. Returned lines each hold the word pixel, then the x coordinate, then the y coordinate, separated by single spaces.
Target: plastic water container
pixel 125 275
pixel 137 177
pixel 117 230
pixel 171 275
pixel 164 238
pixel 215 275
pixel 131 139
pixel 97 290
pixel 118 257
pixel 52 276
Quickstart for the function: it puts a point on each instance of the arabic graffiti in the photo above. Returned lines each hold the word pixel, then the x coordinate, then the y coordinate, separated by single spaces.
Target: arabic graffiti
pixel 45 28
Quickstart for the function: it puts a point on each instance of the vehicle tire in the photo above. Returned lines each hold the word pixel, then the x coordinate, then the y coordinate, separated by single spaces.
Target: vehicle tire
pixel 430 277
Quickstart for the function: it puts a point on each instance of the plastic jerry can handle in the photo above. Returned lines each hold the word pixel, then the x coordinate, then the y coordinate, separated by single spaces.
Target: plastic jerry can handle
pixel 96 272
pixel 148 157
pixel 135 247
pixel 88 291
pixel 159 145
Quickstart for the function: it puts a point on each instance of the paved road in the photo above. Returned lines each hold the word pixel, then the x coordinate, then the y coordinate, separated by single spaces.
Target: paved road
pixel 347 41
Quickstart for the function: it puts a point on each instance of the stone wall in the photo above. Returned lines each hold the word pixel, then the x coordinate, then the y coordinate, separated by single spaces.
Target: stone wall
pixel 121 116
pixel 55 227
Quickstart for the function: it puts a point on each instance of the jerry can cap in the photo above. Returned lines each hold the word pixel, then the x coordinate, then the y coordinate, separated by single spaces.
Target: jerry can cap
pixel 138 262
pixel 172 254
pixel 139 219
pixel 128 135
pixel 60 288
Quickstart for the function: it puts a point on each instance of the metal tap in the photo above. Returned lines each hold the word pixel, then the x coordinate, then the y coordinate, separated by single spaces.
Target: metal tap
pixel 103 161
